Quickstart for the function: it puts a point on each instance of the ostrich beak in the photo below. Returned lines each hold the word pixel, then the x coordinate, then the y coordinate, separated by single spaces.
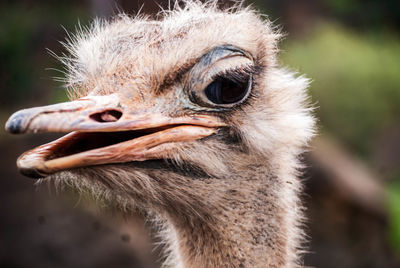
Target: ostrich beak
pixel 102 131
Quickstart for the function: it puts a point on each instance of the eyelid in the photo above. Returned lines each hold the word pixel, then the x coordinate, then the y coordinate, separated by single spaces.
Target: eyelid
pixel 222 66
pixel 236 74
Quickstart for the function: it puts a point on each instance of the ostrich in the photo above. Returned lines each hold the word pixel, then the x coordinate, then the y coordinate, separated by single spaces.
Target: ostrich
pixel 190 119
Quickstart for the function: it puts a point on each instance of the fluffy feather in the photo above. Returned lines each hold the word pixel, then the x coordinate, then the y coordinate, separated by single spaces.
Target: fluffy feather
pixel 220 203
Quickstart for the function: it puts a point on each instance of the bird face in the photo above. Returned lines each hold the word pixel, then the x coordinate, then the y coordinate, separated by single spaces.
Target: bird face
pixel 107 129
pixel 196 84
pixel 140 118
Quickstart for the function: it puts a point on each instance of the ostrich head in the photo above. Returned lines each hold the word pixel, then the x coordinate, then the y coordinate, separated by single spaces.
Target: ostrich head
pixel 190 118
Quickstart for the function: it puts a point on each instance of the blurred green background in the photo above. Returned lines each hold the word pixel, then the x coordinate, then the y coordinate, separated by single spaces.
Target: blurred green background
pixel 349 48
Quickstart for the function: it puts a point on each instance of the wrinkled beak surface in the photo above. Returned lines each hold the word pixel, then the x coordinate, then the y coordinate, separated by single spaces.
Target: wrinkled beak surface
pixel 102 132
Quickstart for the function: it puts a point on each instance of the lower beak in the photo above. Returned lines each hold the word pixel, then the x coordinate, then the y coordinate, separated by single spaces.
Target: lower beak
pixel 102 132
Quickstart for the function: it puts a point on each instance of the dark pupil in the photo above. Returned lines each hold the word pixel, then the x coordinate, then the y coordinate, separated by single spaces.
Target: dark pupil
pixel 225 91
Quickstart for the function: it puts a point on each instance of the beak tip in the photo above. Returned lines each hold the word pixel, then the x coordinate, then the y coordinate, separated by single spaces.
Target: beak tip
pixel 30 167
pixel 15 123
pixel 31 173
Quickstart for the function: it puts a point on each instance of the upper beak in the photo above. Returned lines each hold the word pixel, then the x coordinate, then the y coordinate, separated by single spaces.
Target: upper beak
pixel 103 132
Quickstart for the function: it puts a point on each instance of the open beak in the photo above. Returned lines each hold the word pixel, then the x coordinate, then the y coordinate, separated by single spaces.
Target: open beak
pixel 102 132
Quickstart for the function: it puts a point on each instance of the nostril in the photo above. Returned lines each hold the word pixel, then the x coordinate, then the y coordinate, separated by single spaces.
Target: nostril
pixel 106 116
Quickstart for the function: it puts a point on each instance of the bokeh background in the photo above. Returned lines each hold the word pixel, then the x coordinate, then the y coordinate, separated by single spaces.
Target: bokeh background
pixel 350 49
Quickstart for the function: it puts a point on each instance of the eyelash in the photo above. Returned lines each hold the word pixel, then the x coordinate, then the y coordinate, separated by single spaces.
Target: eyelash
pixel 237 75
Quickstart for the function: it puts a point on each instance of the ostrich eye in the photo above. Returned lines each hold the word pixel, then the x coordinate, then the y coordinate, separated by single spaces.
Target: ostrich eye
pixel 221 79
pixel 228 91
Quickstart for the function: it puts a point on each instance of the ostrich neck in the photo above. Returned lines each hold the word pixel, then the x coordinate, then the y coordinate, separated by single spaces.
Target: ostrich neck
pixel 246 218
pixel 244 223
